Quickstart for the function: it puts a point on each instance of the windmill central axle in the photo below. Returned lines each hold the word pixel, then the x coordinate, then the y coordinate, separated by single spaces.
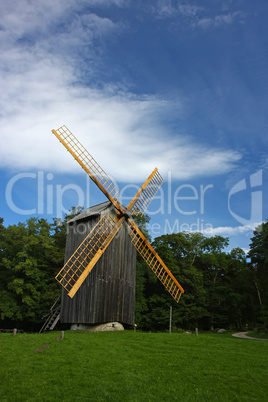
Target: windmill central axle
pixel 124 212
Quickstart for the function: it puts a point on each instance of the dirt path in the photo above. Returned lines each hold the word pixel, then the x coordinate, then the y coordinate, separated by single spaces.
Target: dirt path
pixel 244 335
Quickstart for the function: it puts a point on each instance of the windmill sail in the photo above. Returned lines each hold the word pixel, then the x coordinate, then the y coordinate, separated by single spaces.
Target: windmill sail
pixel 88 163
pixel 79 265
pixel 146 193
pixel 155 262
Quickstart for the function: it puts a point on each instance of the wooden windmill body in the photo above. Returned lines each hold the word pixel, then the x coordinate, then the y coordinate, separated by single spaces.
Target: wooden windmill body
pixel 106 293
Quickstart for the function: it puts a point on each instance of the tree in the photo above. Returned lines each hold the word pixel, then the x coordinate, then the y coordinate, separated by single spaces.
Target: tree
pixel 27 271
pixel 181 252
pixel 216 283
pixel 259 267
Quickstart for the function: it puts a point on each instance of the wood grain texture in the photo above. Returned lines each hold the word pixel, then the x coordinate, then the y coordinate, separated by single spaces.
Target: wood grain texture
pixel 108 293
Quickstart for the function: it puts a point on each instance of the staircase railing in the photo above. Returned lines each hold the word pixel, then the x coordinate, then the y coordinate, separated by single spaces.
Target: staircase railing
pixel 53 316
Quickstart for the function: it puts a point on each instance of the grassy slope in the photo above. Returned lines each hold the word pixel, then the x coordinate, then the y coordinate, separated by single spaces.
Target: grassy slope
pixel 129 366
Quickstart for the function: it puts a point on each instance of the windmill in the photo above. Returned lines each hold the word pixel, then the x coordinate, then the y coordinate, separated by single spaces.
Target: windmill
pixel 107 228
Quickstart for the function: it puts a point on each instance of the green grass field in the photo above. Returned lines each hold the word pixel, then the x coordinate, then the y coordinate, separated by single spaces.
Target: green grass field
pixel 132 366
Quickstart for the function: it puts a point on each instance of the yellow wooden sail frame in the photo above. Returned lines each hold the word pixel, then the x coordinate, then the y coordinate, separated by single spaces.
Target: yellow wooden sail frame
pixel 83 260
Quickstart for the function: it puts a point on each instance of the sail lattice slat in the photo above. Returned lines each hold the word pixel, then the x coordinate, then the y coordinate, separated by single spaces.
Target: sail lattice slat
pixel 145 195
pixel 76 269
pixel 155 263
pixel 87 162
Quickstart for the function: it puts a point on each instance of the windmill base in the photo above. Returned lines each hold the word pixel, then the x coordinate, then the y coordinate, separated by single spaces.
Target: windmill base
pixel 109 326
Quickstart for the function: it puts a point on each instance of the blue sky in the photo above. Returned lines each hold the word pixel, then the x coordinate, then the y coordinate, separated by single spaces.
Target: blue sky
pixel 181 85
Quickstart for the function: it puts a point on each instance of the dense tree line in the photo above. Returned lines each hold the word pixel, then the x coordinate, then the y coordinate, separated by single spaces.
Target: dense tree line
pixel 222 289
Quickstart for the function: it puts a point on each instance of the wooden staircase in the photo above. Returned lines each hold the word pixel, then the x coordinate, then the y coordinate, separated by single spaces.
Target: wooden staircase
pixel 53 316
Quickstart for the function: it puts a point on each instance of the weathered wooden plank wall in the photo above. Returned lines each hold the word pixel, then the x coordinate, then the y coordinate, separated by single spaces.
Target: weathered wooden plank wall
pixel 108 293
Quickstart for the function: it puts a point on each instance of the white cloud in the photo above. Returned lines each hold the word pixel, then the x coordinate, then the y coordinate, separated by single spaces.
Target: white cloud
pixel 120 132
pixel 219 20
pixel 41 90
pixel 231 231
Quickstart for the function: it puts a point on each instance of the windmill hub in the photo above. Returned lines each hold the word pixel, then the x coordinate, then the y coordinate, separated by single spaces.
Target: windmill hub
pixel 124 213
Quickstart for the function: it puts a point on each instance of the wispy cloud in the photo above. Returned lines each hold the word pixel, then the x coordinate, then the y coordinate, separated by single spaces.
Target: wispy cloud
pixel 122 133
pixel 219 20
pixel 166 8
pixel 197 16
